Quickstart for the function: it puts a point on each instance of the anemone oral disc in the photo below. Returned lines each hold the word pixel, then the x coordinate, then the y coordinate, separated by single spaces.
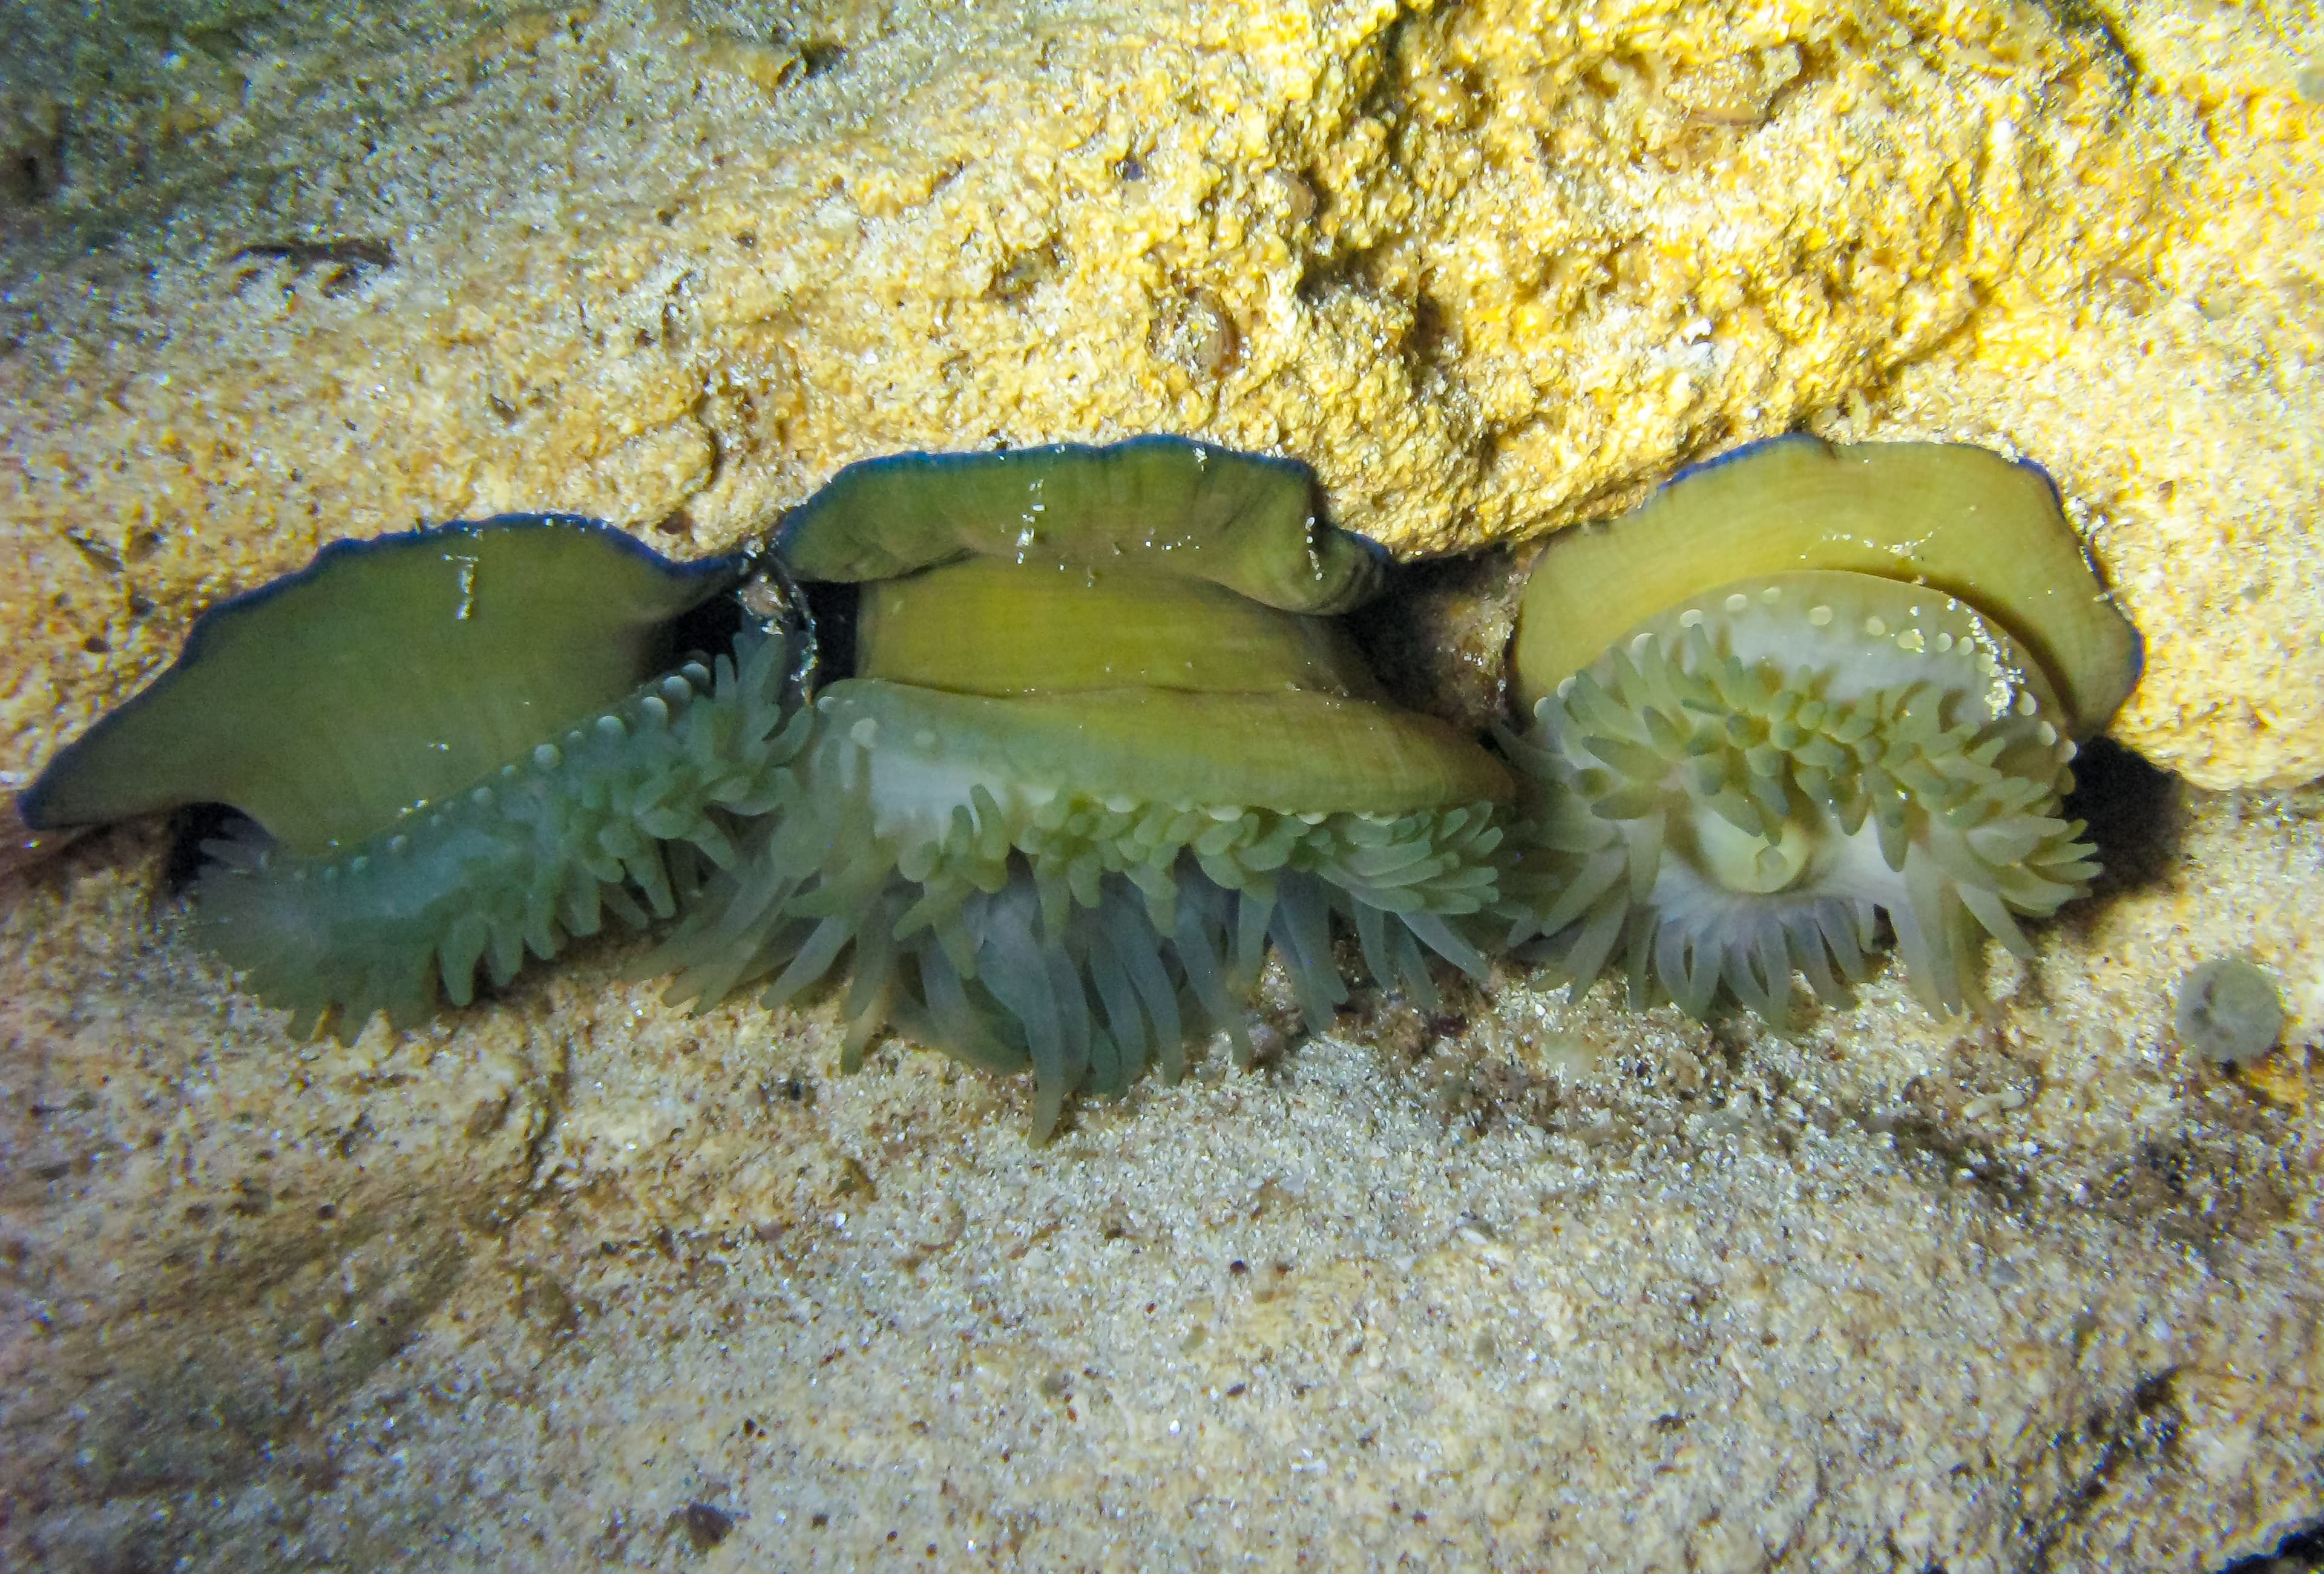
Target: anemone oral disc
pixel 985 626
pixel 1762 774
pixel 1294 751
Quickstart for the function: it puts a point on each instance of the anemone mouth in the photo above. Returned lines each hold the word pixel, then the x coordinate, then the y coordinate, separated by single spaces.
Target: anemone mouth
pixel 615 815
pixel 1730 793
pixel 1000 902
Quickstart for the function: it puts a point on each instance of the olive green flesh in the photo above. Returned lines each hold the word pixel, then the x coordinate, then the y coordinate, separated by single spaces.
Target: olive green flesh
pixel 989 626
pixel 1239 520
pixel 392 675
pixel 1293 752
pixel 1950 517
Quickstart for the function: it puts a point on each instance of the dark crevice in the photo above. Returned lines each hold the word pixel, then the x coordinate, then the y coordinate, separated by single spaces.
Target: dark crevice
pixel 2300 1552
pixel 2086 20
pixel 1434 634
pixel 2136 814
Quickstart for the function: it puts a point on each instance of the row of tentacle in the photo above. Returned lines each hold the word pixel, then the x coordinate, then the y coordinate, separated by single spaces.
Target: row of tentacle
pixel 518 863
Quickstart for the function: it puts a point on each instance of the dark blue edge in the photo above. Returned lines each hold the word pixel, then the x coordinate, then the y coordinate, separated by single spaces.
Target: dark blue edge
pixel 2097 572
pixel 935 465
pixel 30 800
pixel 1700 467
pixel 1719 461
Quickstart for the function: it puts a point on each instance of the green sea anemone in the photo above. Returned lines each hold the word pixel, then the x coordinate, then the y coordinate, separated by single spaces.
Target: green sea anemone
pixel 452 747
pixel 1800 687
pixel 1101 742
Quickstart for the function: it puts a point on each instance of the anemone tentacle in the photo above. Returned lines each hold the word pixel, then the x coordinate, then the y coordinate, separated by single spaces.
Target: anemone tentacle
pixel 1732 792
pixel 528 856
pixel 1102 743
pixel 1077 935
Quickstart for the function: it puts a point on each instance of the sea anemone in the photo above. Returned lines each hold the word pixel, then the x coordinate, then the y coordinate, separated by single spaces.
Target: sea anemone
pixel 451 747
pixel 1801 685
pixel 1101 745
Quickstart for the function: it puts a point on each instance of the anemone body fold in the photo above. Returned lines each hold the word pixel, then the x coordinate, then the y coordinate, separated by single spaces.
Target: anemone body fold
pixel 1096 756
pixel 618 816
pixel 452 747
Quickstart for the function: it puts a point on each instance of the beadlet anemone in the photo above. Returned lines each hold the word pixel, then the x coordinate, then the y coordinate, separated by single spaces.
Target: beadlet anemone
pixel 1802 684
pixel 452 747
pixel 1102 740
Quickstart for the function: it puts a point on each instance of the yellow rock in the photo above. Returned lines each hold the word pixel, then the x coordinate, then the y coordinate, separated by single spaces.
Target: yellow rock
pixel 1491 269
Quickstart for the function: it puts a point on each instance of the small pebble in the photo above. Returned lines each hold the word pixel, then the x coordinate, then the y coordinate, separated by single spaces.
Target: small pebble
pixel 2229 1011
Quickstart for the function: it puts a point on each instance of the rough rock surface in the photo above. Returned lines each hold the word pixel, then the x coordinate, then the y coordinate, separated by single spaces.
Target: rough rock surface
pixel 1491 269
pixel 570 1277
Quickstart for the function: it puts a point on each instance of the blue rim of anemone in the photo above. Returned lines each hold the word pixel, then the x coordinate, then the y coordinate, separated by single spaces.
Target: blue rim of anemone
pixel 1719 461
pixel 937 463
pixel 1699 466
pixel 730 565
pixel 2057 498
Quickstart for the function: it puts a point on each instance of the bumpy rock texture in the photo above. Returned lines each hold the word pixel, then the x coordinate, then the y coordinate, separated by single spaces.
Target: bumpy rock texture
pixel 570 1276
